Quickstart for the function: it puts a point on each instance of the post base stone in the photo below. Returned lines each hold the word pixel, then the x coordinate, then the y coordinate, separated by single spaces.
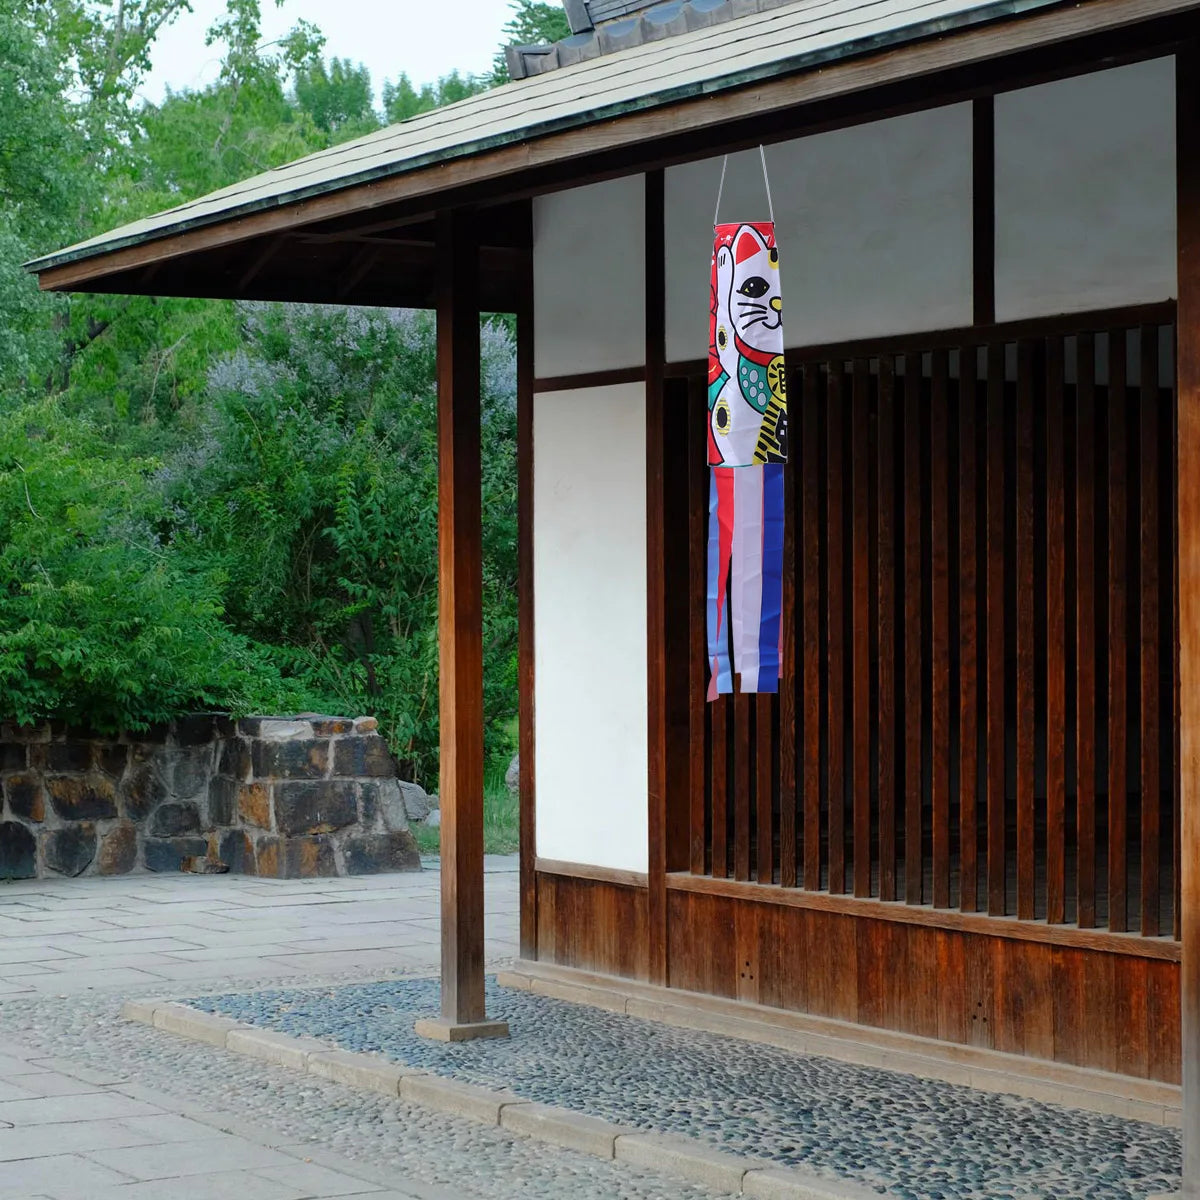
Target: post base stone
pixel 443 1030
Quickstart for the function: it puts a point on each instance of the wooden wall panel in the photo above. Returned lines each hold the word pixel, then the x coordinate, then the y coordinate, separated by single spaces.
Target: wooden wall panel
pixel 1068 1004
pixel 593 925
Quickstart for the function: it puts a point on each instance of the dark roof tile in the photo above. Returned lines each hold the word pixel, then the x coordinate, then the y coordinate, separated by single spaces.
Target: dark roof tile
pixel 610 26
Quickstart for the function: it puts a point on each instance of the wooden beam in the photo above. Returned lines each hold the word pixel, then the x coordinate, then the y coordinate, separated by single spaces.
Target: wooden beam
pixel 460 635
pixel 983 207
pixel 526 688
pixel 656 617
pixel 357 270
pixel 1187 86
pixel 260 260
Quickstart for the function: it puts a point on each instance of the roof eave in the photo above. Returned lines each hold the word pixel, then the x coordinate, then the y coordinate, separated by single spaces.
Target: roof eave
pixel 806 63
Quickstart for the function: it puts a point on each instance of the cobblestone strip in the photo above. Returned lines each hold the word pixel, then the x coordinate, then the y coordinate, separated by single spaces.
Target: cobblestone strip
pixel 561 1127
pixel 1073 1091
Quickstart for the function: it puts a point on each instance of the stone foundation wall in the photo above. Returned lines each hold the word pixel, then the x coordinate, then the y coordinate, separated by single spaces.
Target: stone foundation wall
pixel 279 797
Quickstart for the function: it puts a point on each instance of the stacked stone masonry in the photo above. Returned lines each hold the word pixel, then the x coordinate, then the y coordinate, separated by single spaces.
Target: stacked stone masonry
pixel 281 797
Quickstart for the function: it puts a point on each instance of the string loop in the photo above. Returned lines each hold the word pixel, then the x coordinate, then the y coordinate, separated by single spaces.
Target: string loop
pixel 766 184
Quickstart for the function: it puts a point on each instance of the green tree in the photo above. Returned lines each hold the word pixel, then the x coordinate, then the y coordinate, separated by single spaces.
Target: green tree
pixel 38 143
pixel 401 100
pixel 337 97
pixel 205 504
pixel 100 623
pixel 532 23
pixel 312 490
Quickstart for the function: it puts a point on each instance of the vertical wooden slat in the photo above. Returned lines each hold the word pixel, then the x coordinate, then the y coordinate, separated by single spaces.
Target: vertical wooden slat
pixel 1056 634
pixel 811 641
pixel 764 774
pixel 968 633
pixel 718 717
pixel 913 865
pixel 1177 763
pixel 939 524
pixel 1187 92
pixel 1085 629
pixel 861 609
pixel 1117 619
pixel 1149 604
pixel 835 617
pixel 996 863
pixel 887 628
pixel 788 682
pixel 697 482
pixel 1023 583
pixel 743 750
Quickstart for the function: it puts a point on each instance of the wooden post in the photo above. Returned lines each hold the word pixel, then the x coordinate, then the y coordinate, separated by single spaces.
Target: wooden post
pixel 656 598
pixel 526 690
pixel 460 636
pixel 1188 470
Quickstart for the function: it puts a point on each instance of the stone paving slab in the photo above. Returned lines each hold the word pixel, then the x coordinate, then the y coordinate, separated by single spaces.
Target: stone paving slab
pixel 67 1043
pixel 136 932
pixel 916 1139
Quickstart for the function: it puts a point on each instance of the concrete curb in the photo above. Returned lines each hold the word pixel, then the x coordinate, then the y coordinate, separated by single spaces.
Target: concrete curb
pixel 681 1157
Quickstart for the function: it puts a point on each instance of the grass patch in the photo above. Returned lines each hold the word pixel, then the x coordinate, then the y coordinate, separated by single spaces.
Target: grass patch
pixel 501 820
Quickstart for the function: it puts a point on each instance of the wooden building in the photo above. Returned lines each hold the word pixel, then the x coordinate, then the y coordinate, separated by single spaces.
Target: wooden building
pixel 973 812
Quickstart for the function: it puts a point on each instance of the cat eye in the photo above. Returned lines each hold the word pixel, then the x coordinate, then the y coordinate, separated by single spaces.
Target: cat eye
pixel 754 287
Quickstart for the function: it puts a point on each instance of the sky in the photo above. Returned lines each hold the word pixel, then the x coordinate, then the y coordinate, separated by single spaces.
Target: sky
pixel 425 38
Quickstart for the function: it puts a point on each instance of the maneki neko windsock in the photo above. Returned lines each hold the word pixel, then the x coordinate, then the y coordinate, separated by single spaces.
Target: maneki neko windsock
pixel 747 449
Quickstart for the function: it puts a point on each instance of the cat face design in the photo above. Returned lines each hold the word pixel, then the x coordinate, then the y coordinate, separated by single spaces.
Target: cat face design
pixel 749 291
pixel 747 376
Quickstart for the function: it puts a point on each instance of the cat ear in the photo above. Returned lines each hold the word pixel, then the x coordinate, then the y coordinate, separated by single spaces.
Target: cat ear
pixel 749 242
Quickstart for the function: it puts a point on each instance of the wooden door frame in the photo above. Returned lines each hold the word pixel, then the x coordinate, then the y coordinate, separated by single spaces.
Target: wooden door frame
pixel 1187 93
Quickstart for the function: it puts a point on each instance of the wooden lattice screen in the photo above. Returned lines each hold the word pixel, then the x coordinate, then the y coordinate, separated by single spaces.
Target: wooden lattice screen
pixel 979 633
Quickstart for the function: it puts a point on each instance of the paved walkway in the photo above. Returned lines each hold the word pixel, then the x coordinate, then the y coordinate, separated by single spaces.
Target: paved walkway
pixel 140 932
pixel 93 1107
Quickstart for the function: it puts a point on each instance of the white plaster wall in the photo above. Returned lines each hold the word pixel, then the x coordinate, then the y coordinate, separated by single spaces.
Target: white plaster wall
pixel 589 277
pixel 1085 192
pixel 590 665
pixel 874 228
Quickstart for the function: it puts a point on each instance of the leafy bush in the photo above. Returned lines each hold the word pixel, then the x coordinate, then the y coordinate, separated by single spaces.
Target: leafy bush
pixel 101 624
pixel 312 491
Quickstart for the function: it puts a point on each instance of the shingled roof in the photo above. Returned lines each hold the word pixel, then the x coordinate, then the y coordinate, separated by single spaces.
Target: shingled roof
pixel 606 26
pixel 506 133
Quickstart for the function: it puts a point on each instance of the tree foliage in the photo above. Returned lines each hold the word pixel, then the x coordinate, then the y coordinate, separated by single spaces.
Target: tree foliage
pixel 312 488
pixel 205 504
pixel 401 100
pixel 101 624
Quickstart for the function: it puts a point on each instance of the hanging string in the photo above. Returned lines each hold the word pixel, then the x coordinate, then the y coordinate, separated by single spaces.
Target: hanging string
pixel 720 189
pixel 766 184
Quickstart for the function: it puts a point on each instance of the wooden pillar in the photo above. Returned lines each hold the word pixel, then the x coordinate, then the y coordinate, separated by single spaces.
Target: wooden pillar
pixel 1188 472
pixel 460 635
pixel 656 617
pixel 525 602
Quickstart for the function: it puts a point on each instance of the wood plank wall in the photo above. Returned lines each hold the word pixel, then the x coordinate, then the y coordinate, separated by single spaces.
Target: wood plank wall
pixel 593 924
pixel 981 636
pixel 1090 1008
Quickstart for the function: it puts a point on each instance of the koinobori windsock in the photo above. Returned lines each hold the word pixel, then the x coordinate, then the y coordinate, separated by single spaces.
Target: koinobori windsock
pixel 747 449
